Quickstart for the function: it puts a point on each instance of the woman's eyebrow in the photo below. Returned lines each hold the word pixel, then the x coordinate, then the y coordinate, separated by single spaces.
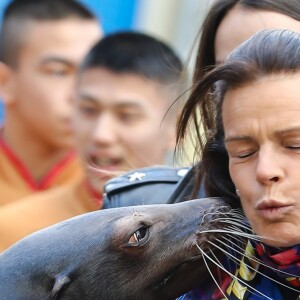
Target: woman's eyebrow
pixel 287 131
pixel 237 138
pixel 282 132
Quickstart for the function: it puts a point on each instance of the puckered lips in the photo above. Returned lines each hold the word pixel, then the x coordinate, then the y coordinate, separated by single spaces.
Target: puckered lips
pixel 273 210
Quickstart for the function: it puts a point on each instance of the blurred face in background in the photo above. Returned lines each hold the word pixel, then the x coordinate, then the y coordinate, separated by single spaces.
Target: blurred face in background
pixel 44 77
pixel 119 122
pixel 240 23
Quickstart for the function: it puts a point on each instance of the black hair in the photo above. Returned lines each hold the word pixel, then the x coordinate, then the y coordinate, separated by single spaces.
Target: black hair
pixel 268 52
pixel 19 12
pixel 136 53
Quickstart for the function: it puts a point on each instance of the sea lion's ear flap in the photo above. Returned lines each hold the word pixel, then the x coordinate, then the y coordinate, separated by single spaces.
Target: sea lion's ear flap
pixel 61 283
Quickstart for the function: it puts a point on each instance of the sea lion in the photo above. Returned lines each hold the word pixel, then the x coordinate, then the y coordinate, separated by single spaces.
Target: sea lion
pixel 140 252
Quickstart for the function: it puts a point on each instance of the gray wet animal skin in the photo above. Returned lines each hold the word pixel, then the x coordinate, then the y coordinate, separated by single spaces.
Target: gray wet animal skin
pixel 140 252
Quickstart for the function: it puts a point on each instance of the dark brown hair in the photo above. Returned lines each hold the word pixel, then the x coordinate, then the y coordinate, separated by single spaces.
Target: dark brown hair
pixel 217 12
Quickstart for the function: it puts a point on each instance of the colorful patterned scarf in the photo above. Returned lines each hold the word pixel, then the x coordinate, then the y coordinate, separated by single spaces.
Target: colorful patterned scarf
pixel 256 282
pixel 253 280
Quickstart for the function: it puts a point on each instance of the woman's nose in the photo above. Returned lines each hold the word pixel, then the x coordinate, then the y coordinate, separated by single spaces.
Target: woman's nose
pixel 269 169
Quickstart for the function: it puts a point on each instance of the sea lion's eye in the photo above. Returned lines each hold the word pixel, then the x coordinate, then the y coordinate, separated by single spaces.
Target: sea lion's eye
pixel 139 237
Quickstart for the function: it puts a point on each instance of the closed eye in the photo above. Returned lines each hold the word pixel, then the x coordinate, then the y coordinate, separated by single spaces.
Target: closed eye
pixel 240 154
pixel 293 147
pixel 245 155
pixel 240 147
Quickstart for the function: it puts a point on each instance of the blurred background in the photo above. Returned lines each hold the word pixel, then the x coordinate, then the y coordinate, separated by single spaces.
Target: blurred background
pixel 175 21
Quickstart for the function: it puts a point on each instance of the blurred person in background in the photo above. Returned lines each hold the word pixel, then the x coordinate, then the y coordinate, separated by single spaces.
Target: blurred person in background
pixel 42 43
pixel 227 24
pixel 125 86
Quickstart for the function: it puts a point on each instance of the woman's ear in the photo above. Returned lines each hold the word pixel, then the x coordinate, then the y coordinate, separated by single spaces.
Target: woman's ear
pixel 7 84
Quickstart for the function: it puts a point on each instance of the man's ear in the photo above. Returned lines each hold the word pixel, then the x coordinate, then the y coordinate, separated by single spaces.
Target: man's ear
pixel 171 137
pixel 7 84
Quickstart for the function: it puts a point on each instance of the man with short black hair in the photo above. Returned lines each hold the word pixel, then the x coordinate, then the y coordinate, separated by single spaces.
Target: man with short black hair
pixel 42 43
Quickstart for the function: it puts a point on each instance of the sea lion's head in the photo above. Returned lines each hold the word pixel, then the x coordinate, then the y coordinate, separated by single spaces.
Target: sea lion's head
pixel 141 252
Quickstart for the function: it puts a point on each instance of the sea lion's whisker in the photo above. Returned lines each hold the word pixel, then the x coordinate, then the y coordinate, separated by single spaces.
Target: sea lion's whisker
pixel 235 215
pixel 244 234
pixel 239 227
pixel 233 221
pixel 237 218
pixel 237 263
pixel 232 230
pixel 218 213
pixel 227 214
pixel 234 259
pixel 234 237
pixel 208 268
pixel 228 221
pixel 259 238
pixel 236 242
pixel 232 275
pixel 230 255
pixel 220 264
pixel 236 245
pixel 239 233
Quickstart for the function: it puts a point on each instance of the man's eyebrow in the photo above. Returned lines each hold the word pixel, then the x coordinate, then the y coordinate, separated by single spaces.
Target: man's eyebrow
pixel 87 97
pixel 129 104
pixel 56 59
pixel 120 105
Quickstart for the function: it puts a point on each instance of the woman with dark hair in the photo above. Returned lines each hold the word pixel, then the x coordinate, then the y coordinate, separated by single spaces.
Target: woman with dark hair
pixel 252 156
pixel 228 23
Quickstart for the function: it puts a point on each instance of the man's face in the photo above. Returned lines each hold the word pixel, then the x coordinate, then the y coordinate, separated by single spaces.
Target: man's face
pixel 45 74
pixel 118 123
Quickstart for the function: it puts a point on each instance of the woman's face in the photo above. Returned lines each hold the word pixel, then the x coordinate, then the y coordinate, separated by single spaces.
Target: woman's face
pixel 241 23
pixel 262 137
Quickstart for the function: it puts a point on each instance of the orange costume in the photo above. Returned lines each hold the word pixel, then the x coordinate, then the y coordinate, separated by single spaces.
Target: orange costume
pixel 44 209
pixel 16 182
